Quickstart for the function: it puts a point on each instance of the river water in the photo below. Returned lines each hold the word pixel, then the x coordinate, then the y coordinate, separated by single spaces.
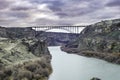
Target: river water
pixel 74 67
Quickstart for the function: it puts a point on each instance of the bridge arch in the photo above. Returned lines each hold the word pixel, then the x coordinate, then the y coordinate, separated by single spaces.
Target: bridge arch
pixel 69 31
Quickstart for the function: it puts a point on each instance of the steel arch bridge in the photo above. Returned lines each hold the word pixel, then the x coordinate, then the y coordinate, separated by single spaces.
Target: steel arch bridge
pixel 71 29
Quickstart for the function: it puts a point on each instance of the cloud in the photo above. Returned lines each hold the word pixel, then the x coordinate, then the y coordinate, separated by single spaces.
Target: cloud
pixel 113 3
pixel 4 4
pixel 49 22
pixel 20 8
pixel 56 12
pixel 54 5
pixel 18 15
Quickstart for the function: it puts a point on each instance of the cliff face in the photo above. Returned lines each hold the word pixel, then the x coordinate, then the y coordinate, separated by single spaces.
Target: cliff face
pixel 17 32
pixel 100 40
pixel 102 37
pixel 22 56
pixel 59 39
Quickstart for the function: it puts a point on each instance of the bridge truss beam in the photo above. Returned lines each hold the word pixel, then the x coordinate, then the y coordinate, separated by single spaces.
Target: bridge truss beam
pixel 71 29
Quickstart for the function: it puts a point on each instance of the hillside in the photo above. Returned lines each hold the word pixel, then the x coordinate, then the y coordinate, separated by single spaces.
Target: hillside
pixel 100 40
pixel 22 56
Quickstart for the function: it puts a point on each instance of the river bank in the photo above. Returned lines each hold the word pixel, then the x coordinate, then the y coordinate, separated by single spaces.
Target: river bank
pixel 113 58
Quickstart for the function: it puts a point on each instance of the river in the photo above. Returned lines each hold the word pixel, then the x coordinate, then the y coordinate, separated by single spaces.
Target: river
pixel 74 67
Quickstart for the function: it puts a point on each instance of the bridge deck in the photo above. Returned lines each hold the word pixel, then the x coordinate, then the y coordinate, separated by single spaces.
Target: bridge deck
pixel 55 26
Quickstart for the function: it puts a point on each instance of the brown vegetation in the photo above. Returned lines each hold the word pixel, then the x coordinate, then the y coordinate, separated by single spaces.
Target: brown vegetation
pixel 32 70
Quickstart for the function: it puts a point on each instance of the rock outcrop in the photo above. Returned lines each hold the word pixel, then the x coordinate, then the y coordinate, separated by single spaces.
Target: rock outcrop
pixel 94 78
pixel 22 56
pixel 101 40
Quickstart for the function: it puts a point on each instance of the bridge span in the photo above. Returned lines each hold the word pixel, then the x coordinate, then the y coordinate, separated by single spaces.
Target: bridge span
pixel 71 29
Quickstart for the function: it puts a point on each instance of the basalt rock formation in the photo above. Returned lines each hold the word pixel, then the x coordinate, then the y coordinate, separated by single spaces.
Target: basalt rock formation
pixel 100 40
pixel 23 56
pixel 59 39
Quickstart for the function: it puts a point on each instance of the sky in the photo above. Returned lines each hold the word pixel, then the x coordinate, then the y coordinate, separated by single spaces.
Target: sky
pixel 25 13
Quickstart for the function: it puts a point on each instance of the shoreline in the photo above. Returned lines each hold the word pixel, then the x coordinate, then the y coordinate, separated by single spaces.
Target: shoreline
pixel 112 58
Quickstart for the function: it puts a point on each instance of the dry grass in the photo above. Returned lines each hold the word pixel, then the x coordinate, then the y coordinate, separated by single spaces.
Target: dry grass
pixel 32 70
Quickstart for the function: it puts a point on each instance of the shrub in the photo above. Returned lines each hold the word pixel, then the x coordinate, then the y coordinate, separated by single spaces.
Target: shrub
pixel 24 74
pixel 2 75
pixel 8 71
pixel 32 66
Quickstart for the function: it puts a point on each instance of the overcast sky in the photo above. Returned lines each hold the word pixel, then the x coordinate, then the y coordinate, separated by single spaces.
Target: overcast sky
pixel 57 12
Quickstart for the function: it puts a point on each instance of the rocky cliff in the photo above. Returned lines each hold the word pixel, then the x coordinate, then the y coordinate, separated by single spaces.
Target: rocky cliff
pixel 59 39
pixel 101 40
pixel 13 32
pixel 22 56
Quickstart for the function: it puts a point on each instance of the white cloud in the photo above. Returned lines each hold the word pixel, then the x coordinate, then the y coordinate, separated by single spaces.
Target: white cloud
pixel 49 16
pixel 43 7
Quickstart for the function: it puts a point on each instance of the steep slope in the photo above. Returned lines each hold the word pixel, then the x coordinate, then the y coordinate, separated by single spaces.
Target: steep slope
pixel 101 40
pixel 22 56
pixel 58 39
